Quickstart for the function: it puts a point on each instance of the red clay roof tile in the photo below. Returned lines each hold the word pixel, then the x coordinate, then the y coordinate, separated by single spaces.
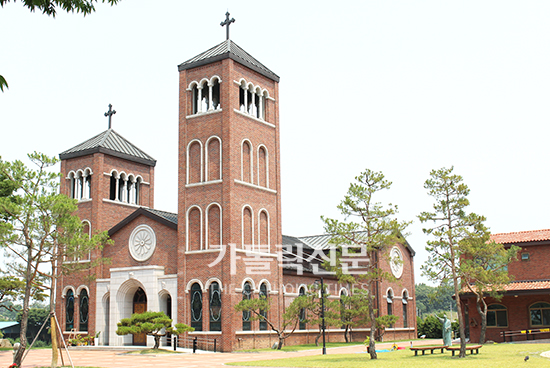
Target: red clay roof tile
pixel 521 236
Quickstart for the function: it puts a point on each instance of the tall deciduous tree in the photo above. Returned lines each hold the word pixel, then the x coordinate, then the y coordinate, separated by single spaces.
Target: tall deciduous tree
pixel 370 230
pixel 452 227
pixel 41 233
pixel 156 324
pixel 484 271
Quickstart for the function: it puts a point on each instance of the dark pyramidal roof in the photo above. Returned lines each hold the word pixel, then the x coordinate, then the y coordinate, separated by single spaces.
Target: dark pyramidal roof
pixel 228 50
pixel 110 143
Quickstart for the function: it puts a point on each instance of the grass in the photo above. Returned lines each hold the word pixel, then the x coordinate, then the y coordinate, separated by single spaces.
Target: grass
pixel 494 355
pixel 302 347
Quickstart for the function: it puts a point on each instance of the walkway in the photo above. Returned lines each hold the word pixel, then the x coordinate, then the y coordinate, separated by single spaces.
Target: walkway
pixel 110 358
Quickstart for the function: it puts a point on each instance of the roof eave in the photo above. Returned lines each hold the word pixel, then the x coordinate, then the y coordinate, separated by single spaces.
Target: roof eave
pixel 228 55
pixel 141 211
pixel 107 151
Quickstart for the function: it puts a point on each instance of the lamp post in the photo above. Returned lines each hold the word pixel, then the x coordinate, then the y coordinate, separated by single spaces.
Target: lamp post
pixel 323 313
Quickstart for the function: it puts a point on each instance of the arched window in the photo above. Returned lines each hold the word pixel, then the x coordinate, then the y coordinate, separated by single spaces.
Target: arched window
pixel 194 162
pixel 215 307
pixel 84 307
pixel 247 293
pixel 302 325
pixel 113 186
pixel 81 184
pixel 69 310
pixel 263 167
pixel 205 95
pixel 122 192
pixel 194 229
pixel 540 314
pixel 213 159
pixel 405 301
pixel 263 232
pixel 263 312
pixel 497 316
pixel 252 100
pixel 214 227
pixel 247 228
pixel 389 299
pixel 246 162
pixel 196 307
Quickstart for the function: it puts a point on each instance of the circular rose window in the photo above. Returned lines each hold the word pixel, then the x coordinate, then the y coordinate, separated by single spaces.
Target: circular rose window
pixel 142 243
pixel 396 262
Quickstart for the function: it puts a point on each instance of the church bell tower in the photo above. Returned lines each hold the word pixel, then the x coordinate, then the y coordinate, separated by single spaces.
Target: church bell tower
pixel 229 204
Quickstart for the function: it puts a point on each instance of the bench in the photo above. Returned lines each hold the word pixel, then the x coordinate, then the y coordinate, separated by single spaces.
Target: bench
pixel 471 348
pixel 424 348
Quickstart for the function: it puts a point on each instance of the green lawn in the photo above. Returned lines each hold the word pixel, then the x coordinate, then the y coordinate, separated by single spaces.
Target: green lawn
pixel 494 355
pixel 303 347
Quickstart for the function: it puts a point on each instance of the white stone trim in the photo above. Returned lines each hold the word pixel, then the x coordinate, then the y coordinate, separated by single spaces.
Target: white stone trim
pixel 205 333
pixel 79 289
pixel 202 251
pixel 204 113
pixel 203 183
pixel 252 284
pixel 67 288
pixel 145 229
pixel 123 203
pixel 211 280
pixel 254 118
pixel 255 186
pixel 194 281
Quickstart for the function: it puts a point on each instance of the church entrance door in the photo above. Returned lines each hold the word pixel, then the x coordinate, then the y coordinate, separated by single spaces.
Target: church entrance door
pixel 140 306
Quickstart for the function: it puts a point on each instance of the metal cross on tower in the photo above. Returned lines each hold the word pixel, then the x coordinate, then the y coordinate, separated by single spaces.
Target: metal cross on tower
pixel 227 22
pixel 110 113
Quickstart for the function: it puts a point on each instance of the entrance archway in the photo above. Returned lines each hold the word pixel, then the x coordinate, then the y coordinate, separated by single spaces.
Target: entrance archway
pixel 139 306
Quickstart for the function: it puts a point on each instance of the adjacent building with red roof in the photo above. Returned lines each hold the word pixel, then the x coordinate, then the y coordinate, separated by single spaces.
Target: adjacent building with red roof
pixel 525 306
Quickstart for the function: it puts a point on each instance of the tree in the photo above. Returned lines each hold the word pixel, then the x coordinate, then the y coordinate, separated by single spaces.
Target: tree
pixel 11 290
pixel 36 318
pixel 314 312
pixel 41 233
pixel 433 299
pixel 49 7
pixel 354 311
pixel 259 307
pixel 484 270
pixel 453 227
pixel 156 324
pixel 373 234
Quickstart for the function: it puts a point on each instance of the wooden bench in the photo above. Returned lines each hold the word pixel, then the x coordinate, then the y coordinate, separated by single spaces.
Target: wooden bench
pixel 471 348
pixel 424 348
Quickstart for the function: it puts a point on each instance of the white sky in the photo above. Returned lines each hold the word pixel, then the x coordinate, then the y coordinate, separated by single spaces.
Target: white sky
pixel 402 87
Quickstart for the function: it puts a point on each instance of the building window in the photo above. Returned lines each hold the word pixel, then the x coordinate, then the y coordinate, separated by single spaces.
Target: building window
pixel 215 307
pixel 205 95
pixel 263 312
pixel 540 314
pixel 524 256
pixel 497 316
pixel 196 307
pixel 84 304
pixel 81 184
pixel 125 188
pixel 389 299
pixel 405 303
pixel 302 325
pixel 247 293
pixel 69 310
pixel 252 100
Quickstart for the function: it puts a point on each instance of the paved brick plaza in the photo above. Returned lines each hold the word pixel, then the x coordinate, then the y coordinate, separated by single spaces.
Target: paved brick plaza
pixel 116 358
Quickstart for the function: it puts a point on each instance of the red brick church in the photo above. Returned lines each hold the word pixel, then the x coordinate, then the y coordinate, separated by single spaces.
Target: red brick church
pixel 229 193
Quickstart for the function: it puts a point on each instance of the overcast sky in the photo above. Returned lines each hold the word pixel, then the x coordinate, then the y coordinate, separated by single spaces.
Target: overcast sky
pixel 401 87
